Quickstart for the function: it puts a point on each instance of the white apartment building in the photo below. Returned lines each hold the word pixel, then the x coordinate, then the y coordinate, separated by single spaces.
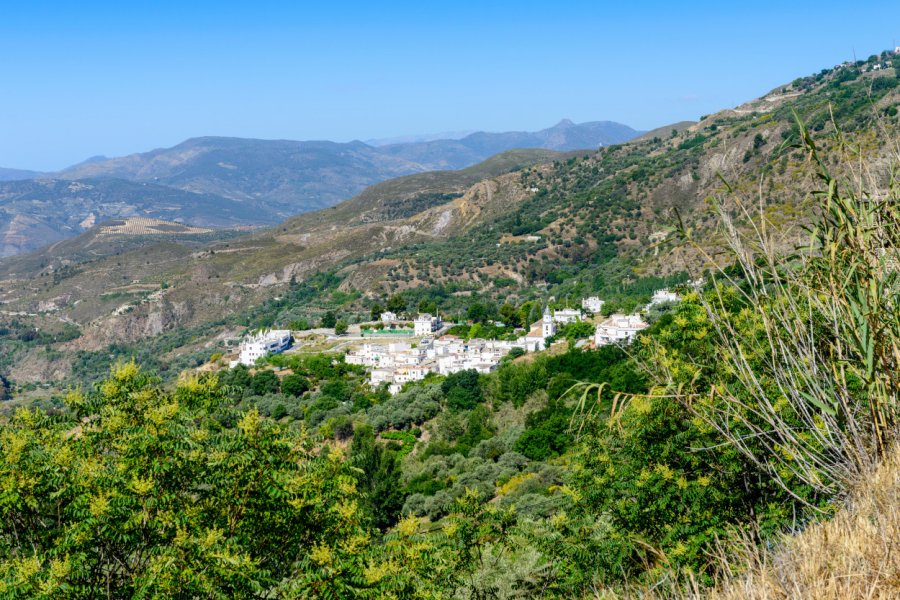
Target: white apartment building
pixel 592 305
pixel 270 341
pixel 618 329
pixel 425 324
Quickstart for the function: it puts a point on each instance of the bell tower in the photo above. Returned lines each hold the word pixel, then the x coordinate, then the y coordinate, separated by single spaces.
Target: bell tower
pixel 548 327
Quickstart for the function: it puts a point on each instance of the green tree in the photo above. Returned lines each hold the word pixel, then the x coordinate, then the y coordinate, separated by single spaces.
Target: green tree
pixel 576 331
pixel 546 432
pixel 340 328
pixel 380 479
pixel 397 304
pixel 238 377
pixel 480 312
pixel 462 390
pixel 510 315
pixel 375 311
pixel 137 497
pixel 329 320
pixel 427 306
pixel 265 382
pixel 294 385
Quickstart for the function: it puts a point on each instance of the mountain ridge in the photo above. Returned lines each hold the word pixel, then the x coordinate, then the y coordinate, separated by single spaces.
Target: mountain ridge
pixel 275 179
pixel 18 174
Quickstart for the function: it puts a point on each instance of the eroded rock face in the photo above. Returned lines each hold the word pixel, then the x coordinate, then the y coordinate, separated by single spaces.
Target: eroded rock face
pixel 268 280
pixel 38 367
pixel 142 322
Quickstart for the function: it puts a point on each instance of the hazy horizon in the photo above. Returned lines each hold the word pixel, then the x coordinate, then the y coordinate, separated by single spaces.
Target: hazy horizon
pixel 113 79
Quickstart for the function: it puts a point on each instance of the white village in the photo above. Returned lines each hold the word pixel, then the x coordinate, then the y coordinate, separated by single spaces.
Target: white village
pixel 413 355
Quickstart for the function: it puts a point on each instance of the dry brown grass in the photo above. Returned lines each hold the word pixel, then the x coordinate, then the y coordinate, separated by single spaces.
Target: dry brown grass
pixel 854 555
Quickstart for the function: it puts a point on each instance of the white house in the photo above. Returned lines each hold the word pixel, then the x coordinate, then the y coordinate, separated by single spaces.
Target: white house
pixel 618 329
pixel 270 341
pixel 425 324
pixel 379 376
pixel 387 317
pixel 566 315
pixel 414 373
pixel 592 305
pixel 663 295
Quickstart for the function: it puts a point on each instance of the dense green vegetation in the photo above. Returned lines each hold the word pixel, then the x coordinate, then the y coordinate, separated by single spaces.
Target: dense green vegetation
pixel 223 468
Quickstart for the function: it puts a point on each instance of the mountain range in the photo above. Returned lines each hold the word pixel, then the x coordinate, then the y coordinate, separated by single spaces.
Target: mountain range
pixel 202 181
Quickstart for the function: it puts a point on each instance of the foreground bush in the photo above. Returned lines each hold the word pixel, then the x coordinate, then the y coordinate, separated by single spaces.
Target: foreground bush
pixel 146 496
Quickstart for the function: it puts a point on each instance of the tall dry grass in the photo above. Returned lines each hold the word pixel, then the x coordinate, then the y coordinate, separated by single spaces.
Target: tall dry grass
pixel 856 554
pixel 817 391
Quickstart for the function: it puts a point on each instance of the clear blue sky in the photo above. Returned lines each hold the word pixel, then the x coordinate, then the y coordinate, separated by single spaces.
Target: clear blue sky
pixel 86 78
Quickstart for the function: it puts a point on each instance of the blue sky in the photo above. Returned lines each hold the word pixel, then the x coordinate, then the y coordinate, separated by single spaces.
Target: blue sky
pixel 87 78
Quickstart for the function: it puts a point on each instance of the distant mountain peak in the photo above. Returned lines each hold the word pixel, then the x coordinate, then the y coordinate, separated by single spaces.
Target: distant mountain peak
pixel 564 124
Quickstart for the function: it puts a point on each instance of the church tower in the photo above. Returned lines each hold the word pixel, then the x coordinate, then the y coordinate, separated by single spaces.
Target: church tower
pixel 548 327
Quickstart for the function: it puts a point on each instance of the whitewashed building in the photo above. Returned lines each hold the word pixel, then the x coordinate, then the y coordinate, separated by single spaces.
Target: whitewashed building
pixel 388 317
pixel 381 375
pixel 270 341
pixel 425 324
pixel 618 329
pixel 592 305
pixel 662 296
pixel 566 315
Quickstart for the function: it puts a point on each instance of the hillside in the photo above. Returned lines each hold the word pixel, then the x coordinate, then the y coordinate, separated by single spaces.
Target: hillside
pixel 739 438
pixel 34 213
pixel 287 176
pixel 207 283
pixel 601 222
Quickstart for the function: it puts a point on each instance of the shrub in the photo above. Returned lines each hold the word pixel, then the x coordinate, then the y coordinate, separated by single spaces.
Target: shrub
pixel 265 382
pixel 462 390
